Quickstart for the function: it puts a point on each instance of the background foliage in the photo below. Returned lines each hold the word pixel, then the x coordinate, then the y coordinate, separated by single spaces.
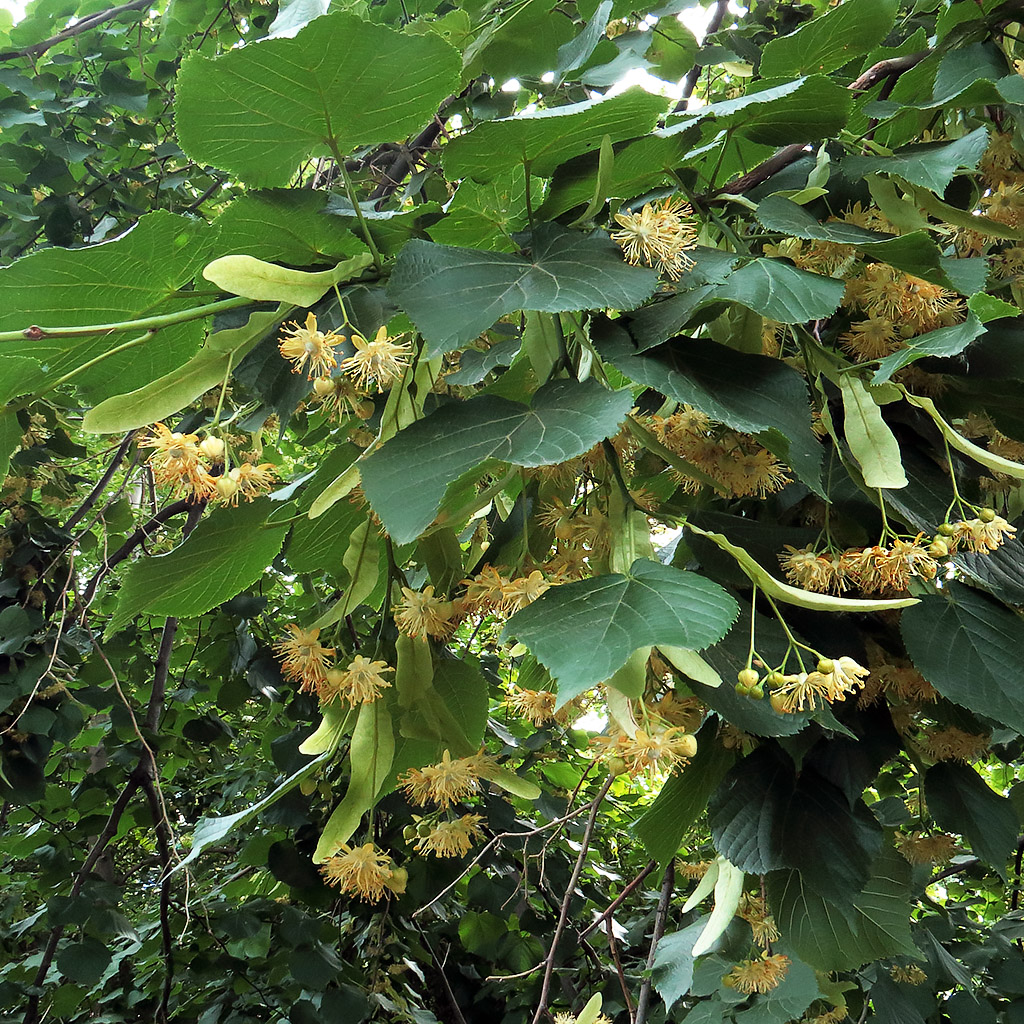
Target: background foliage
pixel 698 565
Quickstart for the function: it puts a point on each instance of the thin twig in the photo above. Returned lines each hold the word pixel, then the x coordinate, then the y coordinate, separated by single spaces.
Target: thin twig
pixel 692 76
pixel 93 496
pixel 614 950
pixel 660 917
pixel 563 916
pixel 80 26
pixel 618 901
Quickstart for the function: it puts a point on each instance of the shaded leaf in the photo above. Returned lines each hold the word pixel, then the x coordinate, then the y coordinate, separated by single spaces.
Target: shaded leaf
pixel 610 616
pixel 568 271
pixel 227 552
pixel 944 342
pixel 672 969
pixel 406 478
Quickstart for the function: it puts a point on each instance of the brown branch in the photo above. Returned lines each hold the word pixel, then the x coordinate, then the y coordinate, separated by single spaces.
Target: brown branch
pixel 83 25
pixel 618 901
pixel 614 950
pixel 163 663
pixel 690 81
pixel 891 68
pixel 162 832
pixel 570 889
pixel 93 496
pixel 660 917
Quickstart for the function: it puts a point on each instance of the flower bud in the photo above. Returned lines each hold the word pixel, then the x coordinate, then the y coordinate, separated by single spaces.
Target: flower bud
pixel 212 448
pixel 323 386
pixel 826 666
pixel 748 677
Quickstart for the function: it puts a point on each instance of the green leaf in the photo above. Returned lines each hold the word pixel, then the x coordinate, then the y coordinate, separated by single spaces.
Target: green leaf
pixel 172 392
pixel 227 552
pixel 684 796
pixel 988 307
pixel 267 282
pixel 261 110
pixel 931 165
pixel 794 595
pixel 968 646
pixel 672 969
pixel 575 53
pixel 824 44
pixel 779 291
pixel 872 443
pixel 834 938
pixel 802 110
pixel 568 271
pixel 84 962
pixel 327 736
pixel 10 438
pixel 484 216
pixel 797 990
pixel 610 616
pixel 134 276
pixel 944 342
pixel 370 758
pixel 673 50
pixel 750 393
pixel 765 817
pixel 510 781
pixel 547 138
pixel 962 802
pixel 406 478
pixel 285 226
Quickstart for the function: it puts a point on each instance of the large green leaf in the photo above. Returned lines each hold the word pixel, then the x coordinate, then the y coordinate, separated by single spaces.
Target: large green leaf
pixel 831 41
pixel 968 646
pixel 341 82
pixel 835 938
pixel 134 276
pixel 547 138
pixel 285 226
pixel 683 798
pixel 765 816
pixel 609 617
pixel 961 801
pixel 931 165
pixel 672 969
pixel 568 271
pixel 802 110
pixel 405 479
pixel 779 291
pixel 750 393
pixel 227 552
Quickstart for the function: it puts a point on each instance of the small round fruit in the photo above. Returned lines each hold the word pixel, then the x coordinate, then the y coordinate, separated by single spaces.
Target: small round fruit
pixel 748 676
pixel 616 766
pixel 938 548
pixel 742 689
pixel 774 678
pixel 757 692
pixel 987 515
pixel 826 666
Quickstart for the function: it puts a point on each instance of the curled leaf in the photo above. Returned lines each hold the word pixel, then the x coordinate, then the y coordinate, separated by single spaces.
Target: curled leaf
pixel 256 279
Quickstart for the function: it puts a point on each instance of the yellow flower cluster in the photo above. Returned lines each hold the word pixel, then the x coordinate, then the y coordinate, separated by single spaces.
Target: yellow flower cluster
pixel 912 975
pixel 873 569
pixel 364 872
pixel 647 752
pixel 490 592
pixel 737 461
pixel 195 469
pixel 447 782
pixel 658 236
pixel 758 975
pixel 921 848
pixel 306 661
pixel 755 912
pixel 831 681
pixel 451 838
pixel 536 706
pixel 953 744
pixel 420 613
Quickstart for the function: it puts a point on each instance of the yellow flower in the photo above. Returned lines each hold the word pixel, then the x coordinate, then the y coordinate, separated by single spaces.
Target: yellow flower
pixel 422 614
pixel 486 590
pixel 919 848
pixel 844 677
pixel 655 751
pixel 518 593
pixel 304 659
pixel 451 838
pixel 254 481
pixel 953 744
pixel 805 568
pixel 380 360
pixel 754 911
pixel 176 461
pixel 796 691
pixel 302 345
pixel 912 975
pixel 983 535
pixel 338 397
pixel 444 783
pixel 364 872
pixel 536 706
pixel 658 236
pixel 870 339
pixel 360 683
pixel 760 975
pixel 693 871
